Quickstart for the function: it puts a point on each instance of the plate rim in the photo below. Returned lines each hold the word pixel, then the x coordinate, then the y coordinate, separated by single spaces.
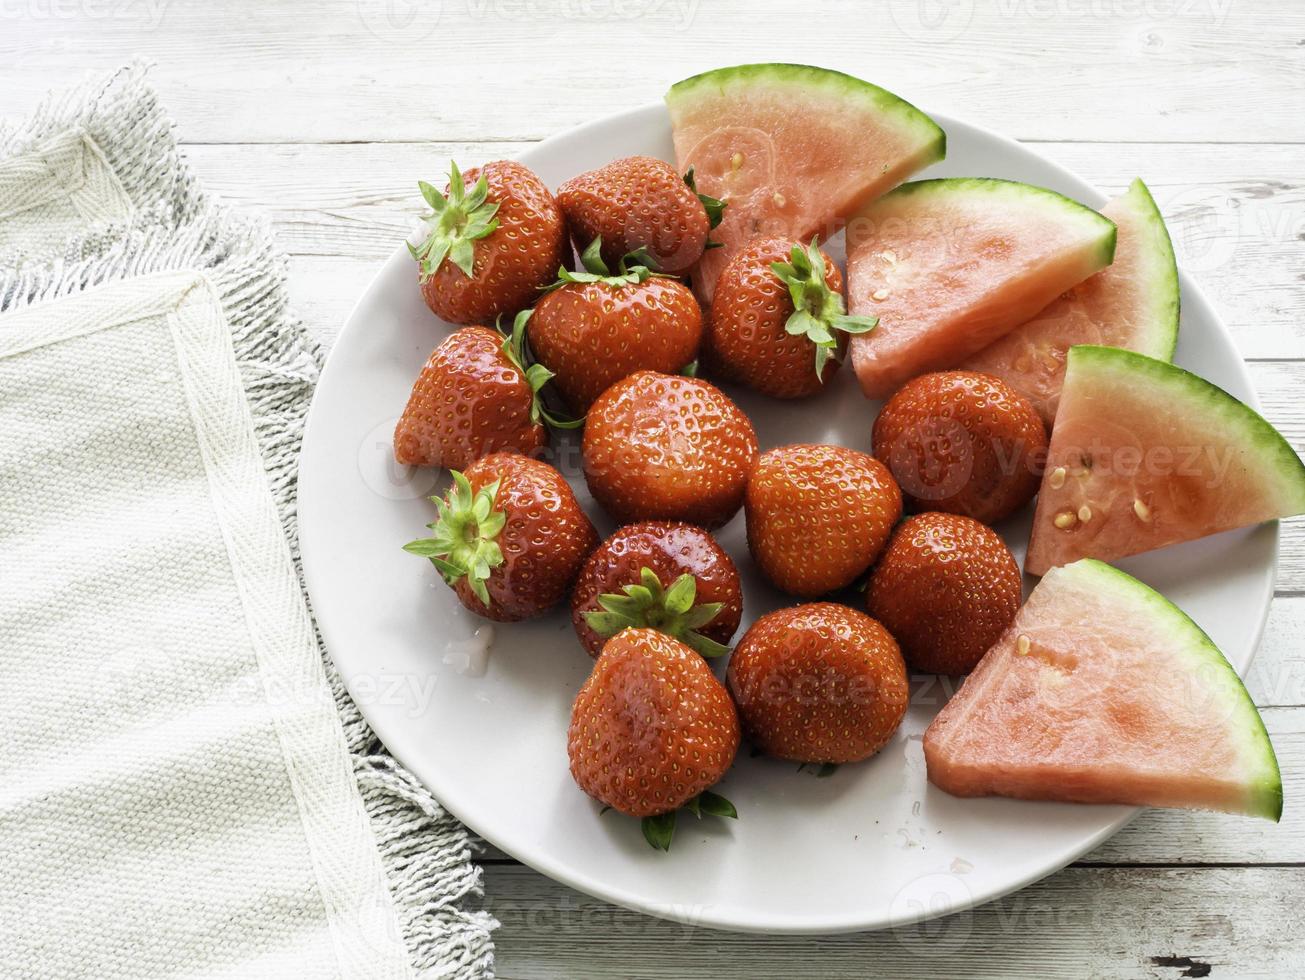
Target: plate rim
pixel 775 924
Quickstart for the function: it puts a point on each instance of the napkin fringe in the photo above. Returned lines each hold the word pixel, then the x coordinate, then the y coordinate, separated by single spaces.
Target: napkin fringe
pixel 426 853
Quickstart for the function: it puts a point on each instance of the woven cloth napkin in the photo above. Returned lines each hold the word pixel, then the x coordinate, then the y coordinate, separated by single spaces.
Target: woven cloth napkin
pixel 186 790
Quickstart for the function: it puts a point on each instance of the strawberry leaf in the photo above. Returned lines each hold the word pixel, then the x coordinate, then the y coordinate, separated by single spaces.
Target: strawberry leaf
pixel 714 207
pixel 716 805
pixel 671 611
pixel 454 224
pixel 464 543
pixel 819 313
pixel 659 830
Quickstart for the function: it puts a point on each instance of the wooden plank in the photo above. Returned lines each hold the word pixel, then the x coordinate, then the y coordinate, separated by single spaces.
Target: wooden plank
pixel 1237 213
pixel 1083 922
pixel 1187 70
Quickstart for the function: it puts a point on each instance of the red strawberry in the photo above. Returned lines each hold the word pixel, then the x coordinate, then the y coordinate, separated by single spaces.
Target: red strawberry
pixel 818 516
pixel 510 537
pixel 962 442
pixel 638 203
pixel 946 587
pixel 651 730
pixel 595 328
pixel 819 683
pixel 474 397
pixel 621 586
pixel 666 447
pixel 778 320
pixel 487 251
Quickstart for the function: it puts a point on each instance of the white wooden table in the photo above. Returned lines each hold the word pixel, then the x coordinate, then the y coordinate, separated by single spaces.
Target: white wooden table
pixel 325 113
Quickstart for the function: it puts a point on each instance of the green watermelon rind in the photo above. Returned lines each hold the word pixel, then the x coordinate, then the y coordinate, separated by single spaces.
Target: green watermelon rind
pixel 1182 392
pixel 820 81
pixel 1161 274
pixel 1264 788
pixel 1058 207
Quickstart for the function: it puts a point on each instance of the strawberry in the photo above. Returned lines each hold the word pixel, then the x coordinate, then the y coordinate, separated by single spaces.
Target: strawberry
pixel 475 396
pixel 778 320
pixel 651 729
pixel 639 203
pixel 819 683
pixel 946 587
pixel 510 537
pixel 621 586
pixel 666 447
pixel 595 327
pixel 485 252
pixel 964 443
pixel 818 516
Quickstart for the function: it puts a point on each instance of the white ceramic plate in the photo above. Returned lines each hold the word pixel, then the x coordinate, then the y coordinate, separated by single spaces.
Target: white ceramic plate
pixel 871 846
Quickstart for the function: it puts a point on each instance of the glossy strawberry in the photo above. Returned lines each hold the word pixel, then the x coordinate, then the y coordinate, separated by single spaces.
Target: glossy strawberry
pixel 651 729
pixel 778 321
pixel 964 443
pixel 510 537
pixel 818 516
pixel 486 251
pixel 638 203
pixel 666 447
pixel 946 587
pixel 693 594
pixel 596 327
pixel 474 397
pixel 818 683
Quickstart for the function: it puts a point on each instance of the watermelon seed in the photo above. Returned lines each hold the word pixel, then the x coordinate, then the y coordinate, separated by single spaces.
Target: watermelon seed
pixel 779 199
pixel 1085 513
pixel 1142 511
pixel 879 295
pixel 1057 478
pixel 736 161
pixel 1022 645
pixel 1066 520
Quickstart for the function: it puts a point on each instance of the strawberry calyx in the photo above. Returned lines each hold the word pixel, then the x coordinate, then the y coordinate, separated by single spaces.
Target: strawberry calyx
pixel 536 375
pixel 635 267
pixel 671 611
pixel 659 830
pixel 818 311
pixel 714 206
pixel 464 544
pixel 453 224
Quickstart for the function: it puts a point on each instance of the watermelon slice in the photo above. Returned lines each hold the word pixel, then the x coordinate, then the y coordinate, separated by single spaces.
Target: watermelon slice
pixel 1145 454
pixel 951 265
pixel 792 149
pixel 1133 304
pixel 1103 691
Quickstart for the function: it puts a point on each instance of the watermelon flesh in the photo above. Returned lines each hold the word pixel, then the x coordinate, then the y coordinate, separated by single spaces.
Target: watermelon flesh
pixel 1144 454
pixel 1102 691
pixel 792 149
pixel 949 266
pixel 1132 304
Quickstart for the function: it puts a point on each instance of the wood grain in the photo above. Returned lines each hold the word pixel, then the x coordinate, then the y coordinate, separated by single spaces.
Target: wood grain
pixel 371 70
pixel 1083 922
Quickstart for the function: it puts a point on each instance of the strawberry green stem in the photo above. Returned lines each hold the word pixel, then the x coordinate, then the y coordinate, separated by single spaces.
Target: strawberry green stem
pixel 464 545
pixel 635 267
pixel 671 611
pixel 659 830
pixel 453 224
pixel 818 311
pixel 514 349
